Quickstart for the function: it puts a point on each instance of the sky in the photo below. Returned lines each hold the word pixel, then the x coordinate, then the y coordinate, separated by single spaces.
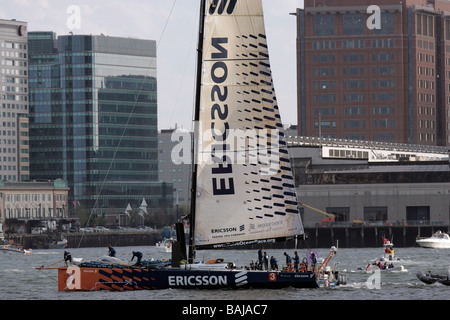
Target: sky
pixel 174 26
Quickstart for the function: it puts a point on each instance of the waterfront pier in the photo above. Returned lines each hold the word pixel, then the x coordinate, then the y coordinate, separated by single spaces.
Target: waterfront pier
pixel 369 236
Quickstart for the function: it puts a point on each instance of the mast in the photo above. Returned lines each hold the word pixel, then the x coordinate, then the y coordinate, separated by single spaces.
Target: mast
pixel 198 90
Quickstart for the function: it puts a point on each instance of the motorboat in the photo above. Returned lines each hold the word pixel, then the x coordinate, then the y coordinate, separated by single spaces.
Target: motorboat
pixel 439 240
pixel 59 244
pixel 389 252
pixel 430 278
pixel 387 262
pixel 14 248
pixel 378 265
pixel 166 244
pixel 328 277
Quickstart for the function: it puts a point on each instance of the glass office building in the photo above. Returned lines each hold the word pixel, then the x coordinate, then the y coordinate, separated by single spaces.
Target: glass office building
pixel 93 119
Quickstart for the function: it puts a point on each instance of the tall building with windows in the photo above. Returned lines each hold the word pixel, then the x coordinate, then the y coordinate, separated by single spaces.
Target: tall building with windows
pixel 14 105
pixel 93 119
pixel 374 73
pixel 178 174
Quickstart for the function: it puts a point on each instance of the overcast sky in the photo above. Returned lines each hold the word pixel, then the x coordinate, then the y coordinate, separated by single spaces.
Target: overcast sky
pixel 174 25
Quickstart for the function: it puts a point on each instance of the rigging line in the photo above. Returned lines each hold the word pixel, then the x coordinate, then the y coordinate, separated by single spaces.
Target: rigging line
pixel 188 56
pixel 158 44
pixel 135 102
pixel 128 121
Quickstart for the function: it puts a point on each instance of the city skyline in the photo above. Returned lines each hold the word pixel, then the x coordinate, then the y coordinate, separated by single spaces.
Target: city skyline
pixel 174 25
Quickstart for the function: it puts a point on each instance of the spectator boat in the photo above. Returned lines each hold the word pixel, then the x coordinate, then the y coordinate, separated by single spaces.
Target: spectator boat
pixel 430 278
pixel 439 240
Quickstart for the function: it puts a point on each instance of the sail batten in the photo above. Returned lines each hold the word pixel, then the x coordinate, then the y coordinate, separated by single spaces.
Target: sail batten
pixel 245 192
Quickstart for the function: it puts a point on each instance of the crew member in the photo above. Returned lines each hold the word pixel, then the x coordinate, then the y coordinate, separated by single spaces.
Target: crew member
pixel 138 255
pixel 111 251
pixel 67 257
pixel 260 258
pixel 266 261
pixel 313 261
pixel 273 263
pixel 288 261
pixel 296 261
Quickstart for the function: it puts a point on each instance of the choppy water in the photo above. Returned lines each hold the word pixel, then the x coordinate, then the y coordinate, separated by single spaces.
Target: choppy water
pixel 20 280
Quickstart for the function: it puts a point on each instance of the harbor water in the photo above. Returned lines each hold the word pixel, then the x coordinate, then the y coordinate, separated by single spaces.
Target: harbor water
pixel 21 281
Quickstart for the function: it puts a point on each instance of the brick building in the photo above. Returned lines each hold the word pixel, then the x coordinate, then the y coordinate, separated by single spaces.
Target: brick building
pixel 379 73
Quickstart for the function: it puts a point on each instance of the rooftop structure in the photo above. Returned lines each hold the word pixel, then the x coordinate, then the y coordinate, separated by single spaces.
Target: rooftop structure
pixel 374 184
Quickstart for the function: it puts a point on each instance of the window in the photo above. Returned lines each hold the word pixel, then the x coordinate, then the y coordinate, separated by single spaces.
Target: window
pixel 324 25
pixel 418 215
pixel 419 24
pixel 375 213
pixel 340 213
pixel 430 29
pixel 387 24
pixel 324 111
pixel 325 124
pixel 353 24
pixel 447 29
pixel 425 25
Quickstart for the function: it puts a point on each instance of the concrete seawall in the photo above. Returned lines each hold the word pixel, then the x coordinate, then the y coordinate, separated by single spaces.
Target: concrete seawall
pixel 89 240
pixel 320 237
pixel 115 239
pixel 364 237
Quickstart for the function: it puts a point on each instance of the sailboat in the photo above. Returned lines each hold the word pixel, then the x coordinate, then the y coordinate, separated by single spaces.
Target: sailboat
pixel 242 188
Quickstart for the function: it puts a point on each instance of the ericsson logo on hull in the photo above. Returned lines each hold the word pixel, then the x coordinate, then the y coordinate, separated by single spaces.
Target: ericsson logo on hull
pixel 219 6
pixel 241 279
pixel 197 280
pixel 193 281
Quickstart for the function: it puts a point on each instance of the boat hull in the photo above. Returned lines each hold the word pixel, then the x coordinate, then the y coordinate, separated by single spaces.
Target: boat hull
pixel 433 244
pixel 431 279
pixel 439 240
pixel 94 279
pixel 59 245
pixel 8 250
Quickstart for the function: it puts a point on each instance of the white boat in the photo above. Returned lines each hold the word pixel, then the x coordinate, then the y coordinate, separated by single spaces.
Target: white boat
pixel 386 266
pixel 389 252
pixel 387 262
pixel 58 244
pixel 14 248
pixel 166 245
pixel 439 240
